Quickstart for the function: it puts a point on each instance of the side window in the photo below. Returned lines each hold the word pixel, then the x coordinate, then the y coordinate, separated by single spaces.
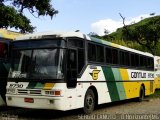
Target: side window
pixel 111 55
pixel 124 58
pixel 132 59
pixel 114 56
pixel 145 62
pixel 79 45
pixel 80 59
pixel 127 59
pixel 136 60
pixel 100 53
pixel 108 55
pixel 150 63
pixel 142 61
pixel 91 52
pixel 3 50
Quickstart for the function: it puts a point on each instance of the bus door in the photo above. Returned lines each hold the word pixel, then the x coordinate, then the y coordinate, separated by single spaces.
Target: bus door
pixel 72 68
pixel 71 77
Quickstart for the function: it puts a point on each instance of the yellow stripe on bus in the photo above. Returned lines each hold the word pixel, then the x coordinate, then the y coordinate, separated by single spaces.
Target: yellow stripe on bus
pixel 124 74
pixel 48 86
pixel 114 45
pixel 130 89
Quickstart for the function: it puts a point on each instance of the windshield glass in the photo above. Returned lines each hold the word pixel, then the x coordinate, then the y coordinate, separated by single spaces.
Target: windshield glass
pixel 37 63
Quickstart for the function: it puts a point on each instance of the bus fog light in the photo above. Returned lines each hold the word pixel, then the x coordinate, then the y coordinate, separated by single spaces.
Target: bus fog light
pixel 9 98
pixel 51 101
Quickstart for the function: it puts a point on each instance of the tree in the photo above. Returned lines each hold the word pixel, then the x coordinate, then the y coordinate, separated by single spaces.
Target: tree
pixel 106 32
pixel 12 15
pixel 93 34
pixel 147 33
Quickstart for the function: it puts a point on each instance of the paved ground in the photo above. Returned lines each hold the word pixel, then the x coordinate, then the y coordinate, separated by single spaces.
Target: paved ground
pixel 130 110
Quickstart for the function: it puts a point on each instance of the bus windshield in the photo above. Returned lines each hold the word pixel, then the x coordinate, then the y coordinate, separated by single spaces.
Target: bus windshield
pixel 46 63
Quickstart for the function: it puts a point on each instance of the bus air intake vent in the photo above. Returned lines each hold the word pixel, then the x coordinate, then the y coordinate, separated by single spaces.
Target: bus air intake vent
pixel 29 92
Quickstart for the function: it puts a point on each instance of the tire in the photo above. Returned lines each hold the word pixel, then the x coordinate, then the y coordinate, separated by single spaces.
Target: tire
pixel 89 102
pixel 141 94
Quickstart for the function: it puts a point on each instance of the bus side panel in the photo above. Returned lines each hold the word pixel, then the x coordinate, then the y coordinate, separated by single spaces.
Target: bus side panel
pixel 132 85
pixel 114 84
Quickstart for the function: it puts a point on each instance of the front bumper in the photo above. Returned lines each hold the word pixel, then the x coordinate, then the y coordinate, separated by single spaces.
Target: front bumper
pixel 40 102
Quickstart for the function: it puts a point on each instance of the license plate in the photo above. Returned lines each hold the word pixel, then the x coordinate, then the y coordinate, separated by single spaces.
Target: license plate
pixel 29 100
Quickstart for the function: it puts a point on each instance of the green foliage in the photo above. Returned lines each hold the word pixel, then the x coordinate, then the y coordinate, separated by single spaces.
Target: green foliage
pixel 156 94
pixel 144 35
pixel 12 16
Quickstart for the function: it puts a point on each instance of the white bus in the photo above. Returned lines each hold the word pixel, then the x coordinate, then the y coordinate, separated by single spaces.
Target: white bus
pixel 70 70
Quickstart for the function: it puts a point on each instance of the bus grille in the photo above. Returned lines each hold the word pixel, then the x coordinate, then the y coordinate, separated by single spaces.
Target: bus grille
pixel 29 92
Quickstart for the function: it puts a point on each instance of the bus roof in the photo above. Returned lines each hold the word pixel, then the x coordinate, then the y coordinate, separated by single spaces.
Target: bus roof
pixel 79 35
pixel 8 34
pixel 52 34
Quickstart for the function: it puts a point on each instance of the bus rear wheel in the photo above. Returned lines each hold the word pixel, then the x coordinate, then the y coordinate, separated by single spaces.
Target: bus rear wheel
pixel 141 94
pixel 89 102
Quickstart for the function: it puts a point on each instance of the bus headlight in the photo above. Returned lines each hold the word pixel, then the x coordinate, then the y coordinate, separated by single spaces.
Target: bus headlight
pixel 11 91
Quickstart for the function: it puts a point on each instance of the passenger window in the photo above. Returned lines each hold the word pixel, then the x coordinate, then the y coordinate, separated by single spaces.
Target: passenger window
pixel 142 61
pixel 100 54
pixel 80 59
pixel 122 58
pixel 132 60
pixel 150 63
pixel 136 60
pixel 127 59
pixel 91 52
pixel 114 56
pixel 108 55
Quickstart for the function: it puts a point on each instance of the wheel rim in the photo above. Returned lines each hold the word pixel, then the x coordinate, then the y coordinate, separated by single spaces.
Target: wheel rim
pixel 89 102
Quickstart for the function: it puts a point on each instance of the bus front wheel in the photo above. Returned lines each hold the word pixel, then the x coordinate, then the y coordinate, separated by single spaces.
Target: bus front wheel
pixel 89 102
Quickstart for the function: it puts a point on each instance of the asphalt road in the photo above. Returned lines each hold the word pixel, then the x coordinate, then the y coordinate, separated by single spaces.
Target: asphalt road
pixel 128 109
